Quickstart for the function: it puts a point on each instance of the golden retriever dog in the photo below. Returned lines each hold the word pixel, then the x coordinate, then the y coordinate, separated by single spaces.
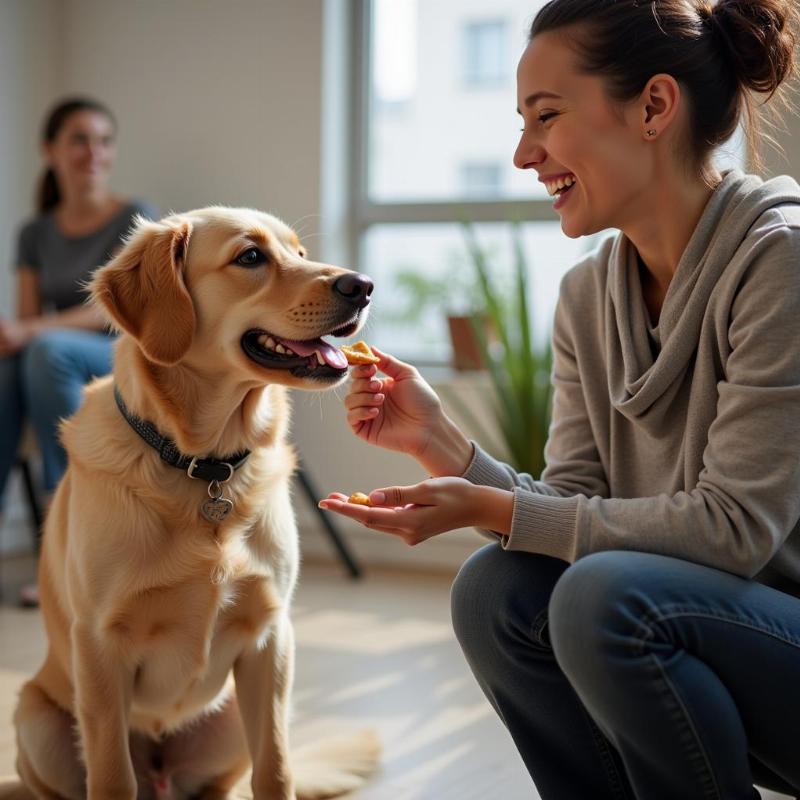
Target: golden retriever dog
pixel 170 551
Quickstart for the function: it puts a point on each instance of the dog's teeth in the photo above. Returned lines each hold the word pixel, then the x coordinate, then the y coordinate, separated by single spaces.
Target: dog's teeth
pixel 290 352
pixel 279 348
pixel 320 359
pixel 270 343
pixel 262 340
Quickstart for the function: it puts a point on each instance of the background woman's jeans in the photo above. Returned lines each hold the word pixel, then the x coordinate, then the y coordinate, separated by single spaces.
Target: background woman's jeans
pixel 43 383
pixel 631 675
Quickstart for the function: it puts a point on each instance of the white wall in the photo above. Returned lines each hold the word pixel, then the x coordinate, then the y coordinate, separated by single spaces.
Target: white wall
pixel 218 102
pixel 31 55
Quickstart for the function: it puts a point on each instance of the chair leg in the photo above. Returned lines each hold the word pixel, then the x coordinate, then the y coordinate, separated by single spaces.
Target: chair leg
pixel 336 538
pixel 33 502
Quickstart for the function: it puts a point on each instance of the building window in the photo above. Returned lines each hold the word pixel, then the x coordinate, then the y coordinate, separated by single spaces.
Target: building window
pixel 481 179
pixel 487 53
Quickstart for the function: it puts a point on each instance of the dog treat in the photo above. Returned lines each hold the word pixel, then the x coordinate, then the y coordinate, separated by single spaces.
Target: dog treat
pixel 359 353
pixel 359 498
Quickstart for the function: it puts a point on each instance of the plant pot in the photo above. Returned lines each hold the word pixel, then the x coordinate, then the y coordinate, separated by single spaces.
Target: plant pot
pixel 466 352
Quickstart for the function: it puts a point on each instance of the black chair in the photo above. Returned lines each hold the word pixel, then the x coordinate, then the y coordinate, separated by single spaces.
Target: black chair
pixel 338 542
pixel 34 506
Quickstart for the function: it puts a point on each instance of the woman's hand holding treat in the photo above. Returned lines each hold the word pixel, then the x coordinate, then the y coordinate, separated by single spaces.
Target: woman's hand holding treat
pixel 402 412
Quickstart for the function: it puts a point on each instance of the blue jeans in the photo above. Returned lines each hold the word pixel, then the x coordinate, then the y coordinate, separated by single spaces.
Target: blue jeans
pixel 43 383
pixel 631 675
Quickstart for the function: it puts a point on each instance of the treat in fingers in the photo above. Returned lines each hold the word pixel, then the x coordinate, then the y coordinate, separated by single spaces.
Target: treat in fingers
pixel 359 353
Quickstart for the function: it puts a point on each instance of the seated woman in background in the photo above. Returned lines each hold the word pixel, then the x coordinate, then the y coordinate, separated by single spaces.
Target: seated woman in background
pixel 57 344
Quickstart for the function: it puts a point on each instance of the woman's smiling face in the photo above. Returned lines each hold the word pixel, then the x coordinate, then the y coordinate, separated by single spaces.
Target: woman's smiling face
pixel 573 132
pixel 83 151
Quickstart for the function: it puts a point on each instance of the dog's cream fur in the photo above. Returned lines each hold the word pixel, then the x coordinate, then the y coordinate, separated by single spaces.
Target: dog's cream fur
pixel 170 656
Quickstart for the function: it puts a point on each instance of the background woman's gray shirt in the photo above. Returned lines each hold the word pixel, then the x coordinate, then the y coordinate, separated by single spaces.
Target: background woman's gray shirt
pixel 65 262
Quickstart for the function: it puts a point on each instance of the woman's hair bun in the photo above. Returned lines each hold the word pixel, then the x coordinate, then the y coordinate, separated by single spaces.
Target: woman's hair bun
pixel 759 36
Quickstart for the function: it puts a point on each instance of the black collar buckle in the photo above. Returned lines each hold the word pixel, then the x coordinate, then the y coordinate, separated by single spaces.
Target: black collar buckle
pixel 210 470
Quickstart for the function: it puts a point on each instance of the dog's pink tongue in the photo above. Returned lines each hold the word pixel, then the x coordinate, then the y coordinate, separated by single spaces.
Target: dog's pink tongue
pixel 332 356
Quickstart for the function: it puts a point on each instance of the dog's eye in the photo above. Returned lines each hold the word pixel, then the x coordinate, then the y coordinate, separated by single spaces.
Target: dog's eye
pixel 252 257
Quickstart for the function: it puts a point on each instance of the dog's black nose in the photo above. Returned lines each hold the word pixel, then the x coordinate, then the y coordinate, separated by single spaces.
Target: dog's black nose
pixel 355 288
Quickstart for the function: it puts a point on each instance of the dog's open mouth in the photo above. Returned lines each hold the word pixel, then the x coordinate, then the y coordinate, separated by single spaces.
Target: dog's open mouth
pixel 308 358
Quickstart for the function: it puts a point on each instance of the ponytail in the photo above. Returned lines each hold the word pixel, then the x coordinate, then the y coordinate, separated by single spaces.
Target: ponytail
pixel 48 195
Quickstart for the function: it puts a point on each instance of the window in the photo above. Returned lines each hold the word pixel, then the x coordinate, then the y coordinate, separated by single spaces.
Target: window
pixel 429 152
pixel 487 53
pixel 432 152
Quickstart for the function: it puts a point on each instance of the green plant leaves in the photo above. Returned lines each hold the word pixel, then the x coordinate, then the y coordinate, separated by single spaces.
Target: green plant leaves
pixel 519 370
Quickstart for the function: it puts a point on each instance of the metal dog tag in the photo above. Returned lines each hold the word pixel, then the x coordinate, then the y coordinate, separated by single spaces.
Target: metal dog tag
pixel 216 510
pixel 217 507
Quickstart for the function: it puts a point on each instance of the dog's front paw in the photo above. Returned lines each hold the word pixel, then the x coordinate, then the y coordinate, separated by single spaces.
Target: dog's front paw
pixel 104 793
pixel 272 794
pixel 273 790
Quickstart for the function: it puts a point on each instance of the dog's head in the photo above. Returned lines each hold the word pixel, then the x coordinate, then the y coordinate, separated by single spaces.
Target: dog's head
pixel 233 287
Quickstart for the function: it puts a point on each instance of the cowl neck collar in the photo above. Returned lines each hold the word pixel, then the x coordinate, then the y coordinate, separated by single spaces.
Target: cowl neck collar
pixel 643 386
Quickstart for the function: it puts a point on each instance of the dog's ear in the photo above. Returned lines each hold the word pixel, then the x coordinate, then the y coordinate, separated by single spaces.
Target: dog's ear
pixel 143 290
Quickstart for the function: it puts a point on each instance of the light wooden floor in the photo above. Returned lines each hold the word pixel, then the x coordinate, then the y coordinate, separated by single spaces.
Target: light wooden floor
pixel 375 653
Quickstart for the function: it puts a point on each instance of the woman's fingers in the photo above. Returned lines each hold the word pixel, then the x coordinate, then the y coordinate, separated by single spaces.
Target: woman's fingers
pixel 363 372
pixel 391 366
pixel 388 364
pixel 370 516
pixel 363 414
pixel 362 399
pixel 342 498
pixel 365 385
pixel 401 496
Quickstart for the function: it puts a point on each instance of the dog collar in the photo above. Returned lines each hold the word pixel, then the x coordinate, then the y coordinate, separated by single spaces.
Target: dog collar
pixel 206 469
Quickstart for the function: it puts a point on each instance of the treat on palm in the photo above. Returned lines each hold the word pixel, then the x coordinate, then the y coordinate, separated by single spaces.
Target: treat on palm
pixel 360 499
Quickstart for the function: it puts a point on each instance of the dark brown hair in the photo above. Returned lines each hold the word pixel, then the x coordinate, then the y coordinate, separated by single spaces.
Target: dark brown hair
pixel 48 194
pixel 722 54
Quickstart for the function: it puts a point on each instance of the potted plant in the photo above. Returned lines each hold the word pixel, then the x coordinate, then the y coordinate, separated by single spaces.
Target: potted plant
pixel 519 368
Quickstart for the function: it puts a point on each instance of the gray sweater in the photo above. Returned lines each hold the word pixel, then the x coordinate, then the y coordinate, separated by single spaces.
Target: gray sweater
pixel 689 445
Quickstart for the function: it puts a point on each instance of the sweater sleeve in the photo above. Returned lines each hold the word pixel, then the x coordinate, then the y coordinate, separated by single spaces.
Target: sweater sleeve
pixel 572 460
pixel 747 498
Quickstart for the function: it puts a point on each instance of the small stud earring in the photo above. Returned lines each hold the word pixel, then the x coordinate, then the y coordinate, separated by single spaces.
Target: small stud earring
pixel 652 132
